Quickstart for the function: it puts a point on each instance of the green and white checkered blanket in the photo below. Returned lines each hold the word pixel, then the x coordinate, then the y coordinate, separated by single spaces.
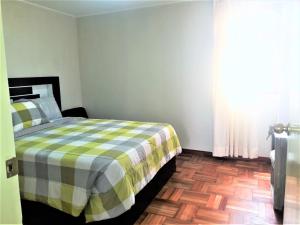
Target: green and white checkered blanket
pixel 93 165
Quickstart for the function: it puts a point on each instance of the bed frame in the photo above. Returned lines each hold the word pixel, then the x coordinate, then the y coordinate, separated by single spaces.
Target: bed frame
pixel 38 213
pixel 28 88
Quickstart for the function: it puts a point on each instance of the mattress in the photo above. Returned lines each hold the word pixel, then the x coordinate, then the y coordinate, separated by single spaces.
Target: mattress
pixel 92 165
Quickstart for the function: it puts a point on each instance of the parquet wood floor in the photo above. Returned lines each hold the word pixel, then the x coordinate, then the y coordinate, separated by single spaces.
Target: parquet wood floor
pixel 207 190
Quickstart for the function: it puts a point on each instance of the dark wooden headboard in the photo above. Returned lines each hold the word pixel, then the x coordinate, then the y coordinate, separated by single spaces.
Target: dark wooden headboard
pixel 27 87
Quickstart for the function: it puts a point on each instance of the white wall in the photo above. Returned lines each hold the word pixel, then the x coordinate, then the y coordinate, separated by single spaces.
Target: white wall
pixel 151 64
pixel 39 42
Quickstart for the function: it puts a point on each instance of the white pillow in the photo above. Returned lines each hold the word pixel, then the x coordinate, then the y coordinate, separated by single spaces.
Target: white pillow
pixel 49 107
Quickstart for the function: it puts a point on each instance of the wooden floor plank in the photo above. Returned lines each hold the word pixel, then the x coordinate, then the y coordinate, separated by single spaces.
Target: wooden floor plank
pixel 187 212
pixel 163 208
pixel 216 216
pixel 154 219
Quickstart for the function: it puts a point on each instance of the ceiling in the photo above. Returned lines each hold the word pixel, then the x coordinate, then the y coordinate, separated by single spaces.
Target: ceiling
pixel 79 8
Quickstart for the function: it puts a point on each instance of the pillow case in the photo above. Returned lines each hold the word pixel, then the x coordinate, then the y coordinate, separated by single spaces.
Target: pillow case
pixel 26 114
pixel 49 107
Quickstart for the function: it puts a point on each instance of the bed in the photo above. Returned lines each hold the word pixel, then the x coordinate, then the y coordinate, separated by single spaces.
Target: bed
pixel 99 171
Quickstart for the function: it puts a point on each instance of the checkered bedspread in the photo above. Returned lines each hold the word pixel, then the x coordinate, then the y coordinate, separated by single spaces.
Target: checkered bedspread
pixel 93 165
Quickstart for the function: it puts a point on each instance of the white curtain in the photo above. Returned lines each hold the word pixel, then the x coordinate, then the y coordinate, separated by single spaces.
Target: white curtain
pixel 256 43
